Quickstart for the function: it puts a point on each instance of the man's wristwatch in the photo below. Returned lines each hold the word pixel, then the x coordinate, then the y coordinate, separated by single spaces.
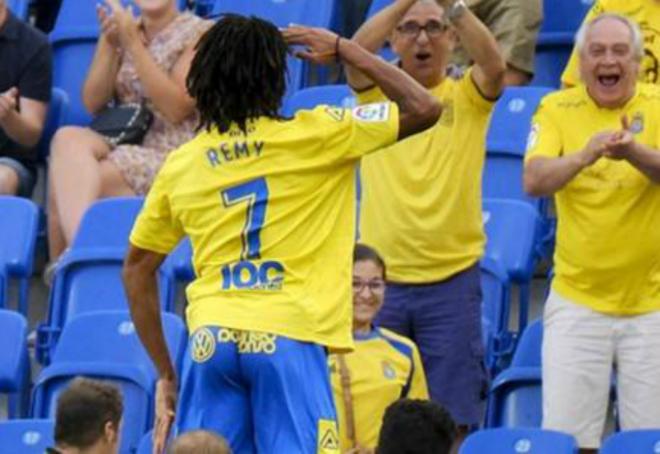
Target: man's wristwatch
pixel 456 10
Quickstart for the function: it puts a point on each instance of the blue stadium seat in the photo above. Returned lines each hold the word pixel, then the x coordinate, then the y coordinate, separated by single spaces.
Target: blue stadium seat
pixel 314 13
pixel 506 143
pixel 146 446
pixel 19 225
pixel 494 310
pixel 177 271
pixel 26 436
pixel 88 276
pixel 14 362
pixel 561 20
pixel 20 8
pixel 632 442
pixel 515 397
pixel 58 109
pixel 104 345
pixel 308 98
pixel 517 441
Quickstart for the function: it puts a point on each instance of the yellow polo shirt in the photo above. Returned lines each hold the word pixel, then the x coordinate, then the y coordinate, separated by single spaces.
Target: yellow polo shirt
pixel 607 255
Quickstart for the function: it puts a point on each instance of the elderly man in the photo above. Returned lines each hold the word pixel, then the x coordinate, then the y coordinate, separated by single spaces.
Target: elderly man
pixel 421 200
pixel 647 15
pixel 596 148
pixel 25 82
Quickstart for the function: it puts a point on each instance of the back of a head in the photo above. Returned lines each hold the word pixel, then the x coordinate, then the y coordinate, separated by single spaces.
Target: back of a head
pixel 416 427
pixel 238 72
pixel 199 442
pixel 84 409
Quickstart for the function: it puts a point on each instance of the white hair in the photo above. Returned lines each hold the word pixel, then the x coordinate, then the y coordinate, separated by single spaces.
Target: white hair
pixel 635 32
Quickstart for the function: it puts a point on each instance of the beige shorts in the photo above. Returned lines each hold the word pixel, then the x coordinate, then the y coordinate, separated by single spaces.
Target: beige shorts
pixel 580 349
pixel 515 25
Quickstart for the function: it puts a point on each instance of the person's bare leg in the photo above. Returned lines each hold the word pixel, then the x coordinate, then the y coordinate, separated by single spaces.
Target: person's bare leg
pixel 112 181
pixel 75 178
pixel 56 241
pixel 8 180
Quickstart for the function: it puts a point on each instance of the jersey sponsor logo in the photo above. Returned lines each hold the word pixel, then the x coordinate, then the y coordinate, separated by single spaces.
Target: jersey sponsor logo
pixel 249 341
pixel 336 113
pixel 388 371
pixel 372 113
pixel 250 275
pixel 203 345
pixel 533 137
pixel 328 437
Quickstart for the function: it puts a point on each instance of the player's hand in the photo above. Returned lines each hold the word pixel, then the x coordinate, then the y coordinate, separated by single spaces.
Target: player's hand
pixel 8 102
pixel 108 26
pixel 595 148
pixel 126 24
pixel 360 450
pixel 621 143
pixel 166 397
pixel 320 44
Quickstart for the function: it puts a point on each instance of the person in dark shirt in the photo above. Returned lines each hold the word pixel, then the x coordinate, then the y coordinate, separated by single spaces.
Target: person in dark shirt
pixel 25 85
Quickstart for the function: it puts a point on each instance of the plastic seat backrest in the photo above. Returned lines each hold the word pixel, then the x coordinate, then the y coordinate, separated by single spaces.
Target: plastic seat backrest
pixel 515 441
pixel 58 109
pixel 632 441
pixel 377 5
pixel 108 223
pixel 309 98
pixel 528 350
pixel 563 17
pixel 20 8
pixel 19 224
pixel 26 436
pixel 512 230
pixel 550 62
pixel 13 355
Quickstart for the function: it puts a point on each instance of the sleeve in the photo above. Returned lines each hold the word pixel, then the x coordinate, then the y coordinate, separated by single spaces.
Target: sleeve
pixel 352 133
pixel 418 386
pixel 544 138
pixel 370 95
pixel 36 78
pixel 156 229
pixel 468 87
pixel 571 75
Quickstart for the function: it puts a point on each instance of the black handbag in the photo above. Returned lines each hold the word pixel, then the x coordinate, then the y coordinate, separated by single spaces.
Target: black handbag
pixel 123 124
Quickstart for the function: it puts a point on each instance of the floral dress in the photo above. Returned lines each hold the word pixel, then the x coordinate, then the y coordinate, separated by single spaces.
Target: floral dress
pixel 139 164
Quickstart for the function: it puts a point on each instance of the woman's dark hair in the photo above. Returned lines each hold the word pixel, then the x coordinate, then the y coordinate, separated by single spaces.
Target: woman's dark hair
pixel 362 253
pixel 238 72
pixel 83 409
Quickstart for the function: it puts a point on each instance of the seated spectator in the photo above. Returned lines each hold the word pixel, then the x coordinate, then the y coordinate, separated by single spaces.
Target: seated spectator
pixel 88 418
pixel 383 367
pixel 25 82
pixel 515 25
pixel 416 427
pixel 646 13
pixel 135 61
pixel 199 442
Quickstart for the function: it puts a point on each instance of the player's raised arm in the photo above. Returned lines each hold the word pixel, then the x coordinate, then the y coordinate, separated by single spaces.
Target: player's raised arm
pixel 418 109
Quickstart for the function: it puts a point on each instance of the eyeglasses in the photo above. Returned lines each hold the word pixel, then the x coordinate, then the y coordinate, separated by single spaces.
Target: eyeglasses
pixel 374 286
pixel 432 28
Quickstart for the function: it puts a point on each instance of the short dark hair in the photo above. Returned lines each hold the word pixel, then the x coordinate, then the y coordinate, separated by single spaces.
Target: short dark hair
pixel 83 409
pixel 238 72
pixel 362 253
pixel 199 442
pixel 412 426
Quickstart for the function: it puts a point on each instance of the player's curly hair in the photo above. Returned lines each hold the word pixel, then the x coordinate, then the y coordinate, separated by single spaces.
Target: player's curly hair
pixel 238 72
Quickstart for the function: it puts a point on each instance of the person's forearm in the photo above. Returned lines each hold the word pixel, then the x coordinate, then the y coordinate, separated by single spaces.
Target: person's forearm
pixel 545 176
pixel 23 131
pixel 398 86
pixel 99 87
pixel 373 34
pixel 646 160
pixel 169 98
pixel 480 44
pixel 142 292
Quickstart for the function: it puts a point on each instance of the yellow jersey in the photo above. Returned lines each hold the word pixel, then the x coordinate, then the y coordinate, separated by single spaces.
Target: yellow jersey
pixel 271 219
pixel 383 368
pixel 421 198
pixel 607 254
pixel 647 15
